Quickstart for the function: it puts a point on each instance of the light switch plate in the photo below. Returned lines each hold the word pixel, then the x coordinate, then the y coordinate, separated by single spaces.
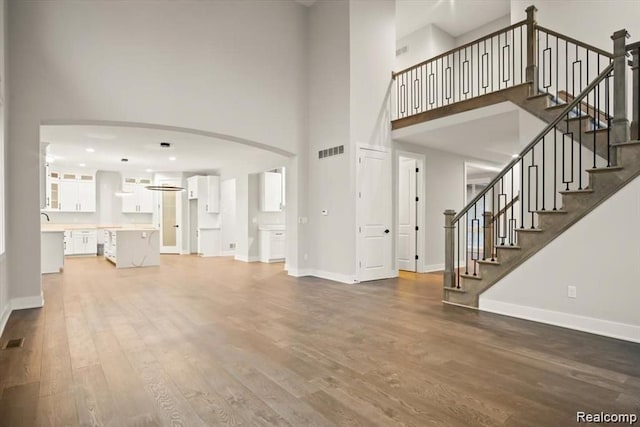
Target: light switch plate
pixel 571 291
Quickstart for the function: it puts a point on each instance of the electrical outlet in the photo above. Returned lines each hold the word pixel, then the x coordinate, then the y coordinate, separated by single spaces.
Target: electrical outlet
pixel 571 291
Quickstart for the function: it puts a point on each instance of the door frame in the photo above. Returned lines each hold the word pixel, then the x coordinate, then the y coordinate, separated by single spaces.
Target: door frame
pixel 177 182
pixel 421 235
pixel 392 271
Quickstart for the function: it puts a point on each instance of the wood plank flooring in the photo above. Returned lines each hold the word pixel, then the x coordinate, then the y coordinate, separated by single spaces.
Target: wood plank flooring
pixel 211 341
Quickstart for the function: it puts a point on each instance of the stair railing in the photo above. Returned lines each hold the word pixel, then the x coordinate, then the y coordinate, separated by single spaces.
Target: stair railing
pixel 488 64
pixel 556 160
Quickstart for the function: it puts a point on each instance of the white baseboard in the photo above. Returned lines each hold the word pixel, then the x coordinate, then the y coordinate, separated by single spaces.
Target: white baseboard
pixel 228 253
pixel 19 304
pixel 300 272
pixel 592 325
pixel 6 312
pixel 247 259
pixel 336 277
pixel 430 268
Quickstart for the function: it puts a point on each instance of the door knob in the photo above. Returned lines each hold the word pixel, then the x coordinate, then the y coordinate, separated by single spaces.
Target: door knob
pixel 386 231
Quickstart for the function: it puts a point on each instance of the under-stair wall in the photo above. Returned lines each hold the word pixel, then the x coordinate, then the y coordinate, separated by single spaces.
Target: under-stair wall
pixel 599 257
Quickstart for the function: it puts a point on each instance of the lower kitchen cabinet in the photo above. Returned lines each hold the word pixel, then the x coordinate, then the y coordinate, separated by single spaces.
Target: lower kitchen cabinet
pixel 272 245
pixel 80 242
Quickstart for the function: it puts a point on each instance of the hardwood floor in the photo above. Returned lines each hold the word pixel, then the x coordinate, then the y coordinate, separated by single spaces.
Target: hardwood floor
pixel 211 341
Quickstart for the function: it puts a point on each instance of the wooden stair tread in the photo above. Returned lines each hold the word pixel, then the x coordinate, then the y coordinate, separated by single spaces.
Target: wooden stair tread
pixel 459 290
pixel 605 169
pixel 621 144
pixel 488 262
pixel 551 211
pixel 583 191
pixel 507 247
pixel 603 130
pixel 529 230
pixel 539 95
pixel 471 276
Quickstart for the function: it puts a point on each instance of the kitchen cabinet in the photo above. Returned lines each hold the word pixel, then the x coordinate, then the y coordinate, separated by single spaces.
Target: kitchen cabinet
pixel 76 192
pixel 138 199
pixel 271 192
pixel 212 203
pixel 272 244
pixel 192 187
pixel 209 242
pixel 80 242
pixel 52 190
pixel 132 247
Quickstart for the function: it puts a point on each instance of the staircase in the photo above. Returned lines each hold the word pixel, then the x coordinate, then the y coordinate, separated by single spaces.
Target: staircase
pixel 588 150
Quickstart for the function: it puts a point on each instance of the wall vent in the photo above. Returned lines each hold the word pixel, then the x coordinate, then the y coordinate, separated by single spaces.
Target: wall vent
pixel 333 151
pixel 402 50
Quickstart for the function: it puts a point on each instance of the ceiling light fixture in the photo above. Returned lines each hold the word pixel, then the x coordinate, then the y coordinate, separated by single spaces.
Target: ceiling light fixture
pixel 90 150
pixel 82 165
pixel 172 158
pixel 515 156
pixel 123 193
pixel 148 170
pixel 164 188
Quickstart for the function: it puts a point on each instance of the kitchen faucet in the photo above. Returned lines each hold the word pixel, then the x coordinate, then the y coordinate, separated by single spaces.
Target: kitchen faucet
pixel 46 215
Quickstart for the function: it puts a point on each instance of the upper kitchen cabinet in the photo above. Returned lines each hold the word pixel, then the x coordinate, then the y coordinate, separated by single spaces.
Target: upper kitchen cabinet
pixel 206 189
pixel 192 186
pixel 52 190
pixel 76 192
pixel 271 192
pixel 138 198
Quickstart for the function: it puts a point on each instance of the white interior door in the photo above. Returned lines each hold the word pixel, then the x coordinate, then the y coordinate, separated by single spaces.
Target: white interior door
pixel 170 219
pixel 407 213
pixel 374 215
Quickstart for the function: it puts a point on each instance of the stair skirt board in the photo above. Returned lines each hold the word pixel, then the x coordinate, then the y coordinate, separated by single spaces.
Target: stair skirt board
pixel 591 325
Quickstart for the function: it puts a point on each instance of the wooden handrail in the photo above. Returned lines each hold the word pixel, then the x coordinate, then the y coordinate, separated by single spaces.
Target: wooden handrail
pixel 574 41
pixel 503 210
pixel 633 46
pixel 464 46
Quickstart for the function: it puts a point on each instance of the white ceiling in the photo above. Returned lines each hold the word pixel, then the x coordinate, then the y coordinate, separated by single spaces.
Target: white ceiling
pixel 491 134
pixel 193 153
pixel 456 17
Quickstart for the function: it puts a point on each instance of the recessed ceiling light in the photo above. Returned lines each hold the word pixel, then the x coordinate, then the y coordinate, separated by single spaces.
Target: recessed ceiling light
pixel 148 170
pixel 82 165
pixel 515 156
pixel 172 158
pixel 90 150
pixel 50 159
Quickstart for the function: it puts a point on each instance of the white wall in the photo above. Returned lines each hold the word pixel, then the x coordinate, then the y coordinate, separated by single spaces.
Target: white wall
pixel 228 215
pixel 599 256
pixel 329 183
pixel 4 285
pixel 225 67
pixel 423 44
pixel 590 21
pixel 484 30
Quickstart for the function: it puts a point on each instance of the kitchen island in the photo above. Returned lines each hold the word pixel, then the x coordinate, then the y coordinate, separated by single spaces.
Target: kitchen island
pixel 52 251
pixel 132 247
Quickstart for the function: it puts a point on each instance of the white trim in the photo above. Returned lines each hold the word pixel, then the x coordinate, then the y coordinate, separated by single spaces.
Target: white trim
pixel 228 253
pixel 335 277
pixel 5 317
pixel 19 304
pixel 430 268
pixel 459 305
pixel 592 325
pixel 378 148
pixel 243 258
pixel 421 221
pixel 294 272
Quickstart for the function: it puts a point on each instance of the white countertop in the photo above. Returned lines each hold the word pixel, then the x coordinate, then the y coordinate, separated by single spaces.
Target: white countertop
pixel 208 228
pixel 52 231
pixel 48 227
pixel 271 227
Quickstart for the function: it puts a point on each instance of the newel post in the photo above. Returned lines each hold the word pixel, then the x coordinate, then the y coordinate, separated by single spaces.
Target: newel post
pixel 620 121
pixel 488 236
pixel 635 66
pixel 449 232
pixel 532 59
